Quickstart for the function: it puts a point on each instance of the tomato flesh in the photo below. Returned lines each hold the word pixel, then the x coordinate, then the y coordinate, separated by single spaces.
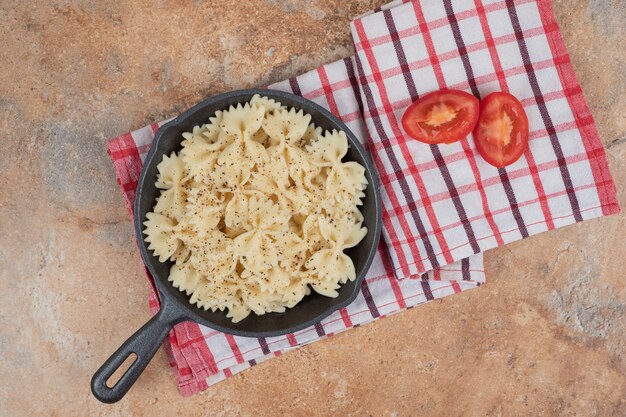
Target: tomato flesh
pixel 444 116
pixel 501 133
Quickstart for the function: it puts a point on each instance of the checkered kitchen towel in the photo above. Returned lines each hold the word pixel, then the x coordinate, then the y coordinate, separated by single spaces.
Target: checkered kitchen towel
pixel 448 196
pixel 367 88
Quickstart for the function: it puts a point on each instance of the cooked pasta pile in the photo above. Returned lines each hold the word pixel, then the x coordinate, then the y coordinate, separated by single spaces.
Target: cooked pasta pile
pixel 256 209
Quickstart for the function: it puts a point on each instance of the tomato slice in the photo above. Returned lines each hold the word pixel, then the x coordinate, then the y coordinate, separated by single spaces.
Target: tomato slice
pixel 501 133
pixel 443 116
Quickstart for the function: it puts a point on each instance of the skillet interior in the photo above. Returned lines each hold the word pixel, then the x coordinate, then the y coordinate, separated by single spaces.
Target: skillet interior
pixel 312 308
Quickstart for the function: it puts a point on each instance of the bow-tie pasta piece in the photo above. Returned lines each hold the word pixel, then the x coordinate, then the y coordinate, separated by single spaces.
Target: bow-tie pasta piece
pixel 327 288
pixel 256 210
pixel 356 173
pixel 231 170
pixel 220 295
pixel 171 179
pixel 210 132
pixel 341 232
pixel 171 171
pixel 210 135
pixel 348 207
pixel 201 150
pixel 346 177
pixel 171 203
pixel 213 256
pixel 238 311
pixel 255 251
pixel 331 265
pixel 262 302
pixel 269 104
pixel 286 127
pixel 200 165
pixel 160 232
pixel 242 121
pixel 185 277
pixel 328 150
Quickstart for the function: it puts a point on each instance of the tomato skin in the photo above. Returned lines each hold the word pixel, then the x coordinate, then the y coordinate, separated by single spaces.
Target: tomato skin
pixel 456 114
pixel 501 134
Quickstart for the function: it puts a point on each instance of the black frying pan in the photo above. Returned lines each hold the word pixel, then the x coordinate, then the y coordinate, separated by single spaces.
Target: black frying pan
pixel 175 306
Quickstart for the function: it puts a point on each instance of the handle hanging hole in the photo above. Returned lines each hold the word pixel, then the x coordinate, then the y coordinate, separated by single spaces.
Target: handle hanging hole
pixel 121 370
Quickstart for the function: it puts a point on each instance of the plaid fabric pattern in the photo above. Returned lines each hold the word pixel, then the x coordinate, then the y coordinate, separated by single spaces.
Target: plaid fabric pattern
pixel 445 203
pixel 368 92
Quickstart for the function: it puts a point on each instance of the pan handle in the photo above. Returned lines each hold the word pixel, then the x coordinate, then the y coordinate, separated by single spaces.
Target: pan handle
pixel 144 343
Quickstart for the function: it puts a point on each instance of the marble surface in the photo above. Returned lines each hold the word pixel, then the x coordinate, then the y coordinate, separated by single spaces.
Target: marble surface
pixel 545 337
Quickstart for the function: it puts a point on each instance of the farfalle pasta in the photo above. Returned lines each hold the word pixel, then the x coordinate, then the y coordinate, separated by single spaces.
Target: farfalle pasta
pixel 257 209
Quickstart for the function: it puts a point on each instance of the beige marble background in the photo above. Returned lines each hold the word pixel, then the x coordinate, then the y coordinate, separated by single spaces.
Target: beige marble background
pixel 545 337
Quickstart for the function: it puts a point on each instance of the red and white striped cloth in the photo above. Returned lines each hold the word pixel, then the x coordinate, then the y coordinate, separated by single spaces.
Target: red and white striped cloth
pixel 443 205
